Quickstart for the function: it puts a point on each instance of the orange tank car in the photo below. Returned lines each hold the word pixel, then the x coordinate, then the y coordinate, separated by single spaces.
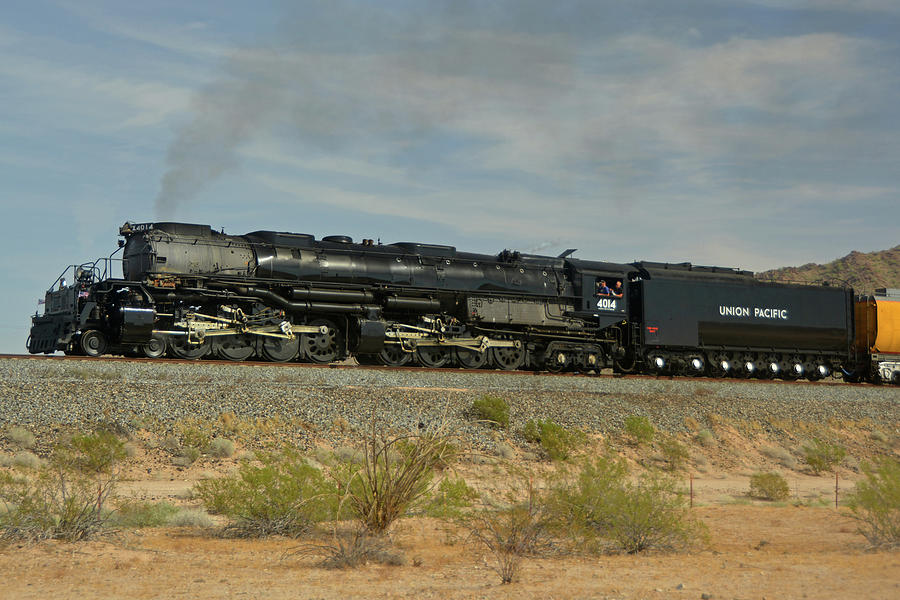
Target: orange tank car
pixel 878 332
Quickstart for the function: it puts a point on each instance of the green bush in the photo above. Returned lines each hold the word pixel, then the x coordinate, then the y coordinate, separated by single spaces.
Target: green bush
pixel 395 473
pixel 26 460
pixel 769 486
pixel 493 410
pixel 20 437
pixel 639 429
pixel 282 496
pixel 604 508
pixel 220 448
pixel 143 514
pixel 450 498
pixel 191 517
pixel 674 453
pixel 706 438
pixel 876 503
pixel 823 456
pixel 67 497
pixel 557 441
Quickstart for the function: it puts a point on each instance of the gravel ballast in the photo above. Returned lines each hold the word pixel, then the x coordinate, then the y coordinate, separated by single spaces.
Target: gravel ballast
pixel 48 393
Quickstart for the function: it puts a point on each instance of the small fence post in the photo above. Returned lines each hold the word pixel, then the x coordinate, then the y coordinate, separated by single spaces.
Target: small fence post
pixel 835 489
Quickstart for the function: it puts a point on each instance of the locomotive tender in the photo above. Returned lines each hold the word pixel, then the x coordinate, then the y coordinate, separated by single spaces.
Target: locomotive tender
pixel 188 291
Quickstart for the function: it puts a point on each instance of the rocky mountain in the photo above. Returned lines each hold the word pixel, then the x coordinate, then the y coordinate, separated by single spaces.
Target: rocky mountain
pixel 863 271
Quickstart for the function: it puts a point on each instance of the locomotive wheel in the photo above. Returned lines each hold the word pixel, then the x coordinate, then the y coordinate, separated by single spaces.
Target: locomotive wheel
pixel 626 364
pixel 155 348
pixel 433 357
pixel 93 342
pixel 322 347
pixel 556 361
pixel 394 356
pixel 470 359
pixel 278 349
pixel 233 347
pixel 508 359
pixel 180 348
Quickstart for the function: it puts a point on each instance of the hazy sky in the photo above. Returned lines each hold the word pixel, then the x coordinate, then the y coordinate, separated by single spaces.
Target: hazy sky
pixel 754 134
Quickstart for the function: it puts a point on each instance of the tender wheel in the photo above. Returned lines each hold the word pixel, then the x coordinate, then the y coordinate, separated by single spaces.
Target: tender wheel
pixel 155 348
pixel 394 356
pixel 508 359
pixel 93 342
pixel 721 365
pixel 695 365
pixel 233 347
pixel 470 359
pixel 433 357
pixel 180 348
pixel 322 347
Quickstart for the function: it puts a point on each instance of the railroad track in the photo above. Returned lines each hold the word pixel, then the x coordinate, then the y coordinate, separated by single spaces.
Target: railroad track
pixel 348 365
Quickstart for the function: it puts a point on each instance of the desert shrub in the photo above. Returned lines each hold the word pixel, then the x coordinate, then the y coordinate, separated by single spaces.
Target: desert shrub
pixel 823 456
pixel 769 486
pixel 353 548
pixel 187 457
pixel 876 503
pixel 195 436
pixel 674 453
pixel 20 437
pixel 706 438
pixel 282 496
pixel 604 508
pixel 26 460
pixel 639 429
pixel 777 453
pixel 143 514
pixel 492 409
pixel 512 533
pixel 396 471
pixel 879 436
pixel 556 441
pixel 220 448
pixel 449 498
pixel 191 517
pixel 67 497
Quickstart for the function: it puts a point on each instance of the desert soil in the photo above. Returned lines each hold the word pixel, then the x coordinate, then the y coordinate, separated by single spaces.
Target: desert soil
pixel 757 550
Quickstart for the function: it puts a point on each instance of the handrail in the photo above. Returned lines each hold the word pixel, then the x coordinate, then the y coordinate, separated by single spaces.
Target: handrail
pixel 88 273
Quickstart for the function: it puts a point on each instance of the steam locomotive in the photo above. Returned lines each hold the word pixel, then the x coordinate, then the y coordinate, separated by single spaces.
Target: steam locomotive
pixel 190 292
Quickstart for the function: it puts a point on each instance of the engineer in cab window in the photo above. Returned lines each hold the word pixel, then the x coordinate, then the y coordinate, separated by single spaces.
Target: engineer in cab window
pixel 603 289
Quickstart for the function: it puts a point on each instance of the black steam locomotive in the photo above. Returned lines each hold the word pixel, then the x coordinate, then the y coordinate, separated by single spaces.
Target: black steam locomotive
pixel 190 292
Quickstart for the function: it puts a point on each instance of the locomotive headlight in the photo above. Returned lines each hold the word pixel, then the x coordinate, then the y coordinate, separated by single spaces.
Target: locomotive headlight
pixel 823 371
pixel 696 364
pixel 774 367
pixel 798 369
pixel 725 365
pixel 749 366
pixel 659 362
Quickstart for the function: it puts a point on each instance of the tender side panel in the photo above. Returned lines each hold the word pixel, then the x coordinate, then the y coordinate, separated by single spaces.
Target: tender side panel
pixel 690 313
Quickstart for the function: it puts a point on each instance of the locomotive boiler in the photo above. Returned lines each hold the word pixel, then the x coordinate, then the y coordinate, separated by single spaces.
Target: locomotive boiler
pixel 190 292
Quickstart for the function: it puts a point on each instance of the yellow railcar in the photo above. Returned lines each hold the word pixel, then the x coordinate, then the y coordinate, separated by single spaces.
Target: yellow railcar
pixel 878 333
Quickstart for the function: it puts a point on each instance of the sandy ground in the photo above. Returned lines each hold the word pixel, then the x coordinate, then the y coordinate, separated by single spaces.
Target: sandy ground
pixel 757 552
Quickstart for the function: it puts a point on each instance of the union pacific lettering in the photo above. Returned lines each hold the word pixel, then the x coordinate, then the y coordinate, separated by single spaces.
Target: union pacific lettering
pixel 756 311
